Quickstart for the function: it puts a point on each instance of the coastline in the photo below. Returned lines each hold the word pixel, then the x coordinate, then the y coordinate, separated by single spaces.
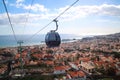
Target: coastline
pixel 39 44
pixel 8 40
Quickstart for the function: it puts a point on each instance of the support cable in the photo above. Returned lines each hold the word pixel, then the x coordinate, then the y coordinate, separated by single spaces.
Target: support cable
pixel 20 51
pixel 19 42
pixel 66 9
pixel 10 21
pixel 28 14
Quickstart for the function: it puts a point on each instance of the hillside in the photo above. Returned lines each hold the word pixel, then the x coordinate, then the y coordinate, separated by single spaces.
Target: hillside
pixel 113 37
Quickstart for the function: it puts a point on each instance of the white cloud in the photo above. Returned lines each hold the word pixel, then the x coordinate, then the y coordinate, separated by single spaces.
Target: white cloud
pixel 3 19
pixel 72 14
pixel 19 3
pixel 113 10
pixel 21 18
pixel 36 8
pixel 83 11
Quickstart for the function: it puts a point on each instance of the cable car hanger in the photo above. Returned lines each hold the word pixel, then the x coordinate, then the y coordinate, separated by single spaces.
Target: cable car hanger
pixel 55 20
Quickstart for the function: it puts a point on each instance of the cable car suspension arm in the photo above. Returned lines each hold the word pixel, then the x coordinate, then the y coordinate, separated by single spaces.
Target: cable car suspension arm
pixel 56 25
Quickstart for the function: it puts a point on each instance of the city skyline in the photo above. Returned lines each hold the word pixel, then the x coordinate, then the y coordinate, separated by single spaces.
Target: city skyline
pixel 93 17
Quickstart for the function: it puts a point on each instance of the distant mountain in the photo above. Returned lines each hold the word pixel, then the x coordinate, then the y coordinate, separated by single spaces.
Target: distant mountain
pixel 115 36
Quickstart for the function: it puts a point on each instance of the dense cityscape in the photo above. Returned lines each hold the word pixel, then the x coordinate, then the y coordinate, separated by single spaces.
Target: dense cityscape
pixel 90 58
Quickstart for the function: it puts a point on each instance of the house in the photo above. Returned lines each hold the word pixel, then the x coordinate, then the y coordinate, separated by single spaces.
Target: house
pixel 48 57
pixel 88 67
pixel 61 69
pixel 99 64
pixel 33 62
pixel 49 63
pixel 74 66
pixel 76 75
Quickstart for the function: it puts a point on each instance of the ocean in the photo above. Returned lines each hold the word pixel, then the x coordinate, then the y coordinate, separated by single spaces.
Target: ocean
pixel 9 40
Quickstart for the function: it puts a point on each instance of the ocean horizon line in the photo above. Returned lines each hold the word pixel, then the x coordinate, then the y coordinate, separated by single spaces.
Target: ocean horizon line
pixel 9 40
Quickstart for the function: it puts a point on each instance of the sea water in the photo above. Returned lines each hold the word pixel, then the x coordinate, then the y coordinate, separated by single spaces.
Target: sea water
pixel 9 40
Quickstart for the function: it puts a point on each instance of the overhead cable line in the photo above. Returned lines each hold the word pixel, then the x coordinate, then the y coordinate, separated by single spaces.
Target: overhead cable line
pixel 28 14
pixel 9 20
pixel 38 31
pixel 53 19
pixel 66 9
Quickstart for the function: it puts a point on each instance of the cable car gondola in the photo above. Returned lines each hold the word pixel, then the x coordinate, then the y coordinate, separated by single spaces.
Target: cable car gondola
pixel 52 38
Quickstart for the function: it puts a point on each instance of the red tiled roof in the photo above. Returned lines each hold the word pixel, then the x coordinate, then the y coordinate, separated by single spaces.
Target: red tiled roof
pixel 99 63
pixel 49 62
pixel 61 68
pixel 84 59
pixel 76 74
pixel 48 56
pixel 37 55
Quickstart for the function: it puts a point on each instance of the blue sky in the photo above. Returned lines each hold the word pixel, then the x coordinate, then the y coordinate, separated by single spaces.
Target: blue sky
pixel 86 17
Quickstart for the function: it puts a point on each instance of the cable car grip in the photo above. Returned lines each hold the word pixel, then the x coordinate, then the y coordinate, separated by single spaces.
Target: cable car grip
pixel 55 20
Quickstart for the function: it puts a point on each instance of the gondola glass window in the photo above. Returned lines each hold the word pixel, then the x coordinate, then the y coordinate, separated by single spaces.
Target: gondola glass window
pixel 52 39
